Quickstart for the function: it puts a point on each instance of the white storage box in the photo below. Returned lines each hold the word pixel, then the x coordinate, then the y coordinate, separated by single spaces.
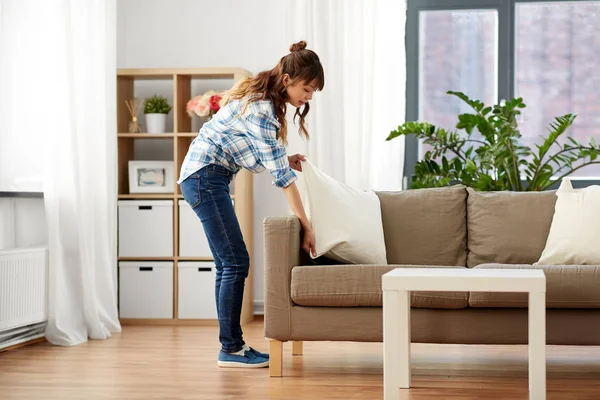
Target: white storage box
pixel 146 289
pixel 197 290
pixel 145 228
pixel 192 240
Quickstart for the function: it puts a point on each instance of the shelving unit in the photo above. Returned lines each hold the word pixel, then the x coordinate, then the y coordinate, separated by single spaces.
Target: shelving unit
pixel 180 138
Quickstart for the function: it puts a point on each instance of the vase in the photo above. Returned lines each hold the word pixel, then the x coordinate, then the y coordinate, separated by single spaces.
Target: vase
pixel 134 126
pixel 156 123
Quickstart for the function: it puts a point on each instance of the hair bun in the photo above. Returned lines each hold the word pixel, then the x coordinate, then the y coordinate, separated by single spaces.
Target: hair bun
pixel 301 45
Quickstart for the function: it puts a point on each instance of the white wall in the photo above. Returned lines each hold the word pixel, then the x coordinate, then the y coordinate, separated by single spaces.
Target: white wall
pixel 22 223
pixel 7 223
pixel 30 223
pixel 202 33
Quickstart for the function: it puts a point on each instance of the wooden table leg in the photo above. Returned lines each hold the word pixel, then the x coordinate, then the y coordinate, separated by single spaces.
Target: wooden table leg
pixel 537 345
pixel 396 342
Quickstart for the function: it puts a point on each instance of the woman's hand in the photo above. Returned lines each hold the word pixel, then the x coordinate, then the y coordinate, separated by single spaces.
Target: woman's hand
pixel 293 197
pixel 295 161
pixel 308 243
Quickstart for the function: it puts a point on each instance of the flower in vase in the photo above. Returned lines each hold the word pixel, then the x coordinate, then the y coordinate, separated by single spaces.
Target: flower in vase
pixel 202 109
pixel 215 101
pixel 204 105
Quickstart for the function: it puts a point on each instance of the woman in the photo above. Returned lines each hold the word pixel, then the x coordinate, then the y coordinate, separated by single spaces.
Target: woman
pixel 249 131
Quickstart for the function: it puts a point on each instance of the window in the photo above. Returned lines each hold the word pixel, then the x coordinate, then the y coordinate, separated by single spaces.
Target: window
pixel 457 51
pixel 557 54
pixel 544 51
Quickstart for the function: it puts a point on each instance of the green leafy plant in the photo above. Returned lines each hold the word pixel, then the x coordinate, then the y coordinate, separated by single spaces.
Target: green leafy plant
pixel 156 105
pixel 489 155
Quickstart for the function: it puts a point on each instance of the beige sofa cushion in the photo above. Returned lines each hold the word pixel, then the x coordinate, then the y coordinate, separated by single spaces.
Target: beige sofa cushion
pixel 359 286
pixel 508 227
pixel 567 286
pixel 425 226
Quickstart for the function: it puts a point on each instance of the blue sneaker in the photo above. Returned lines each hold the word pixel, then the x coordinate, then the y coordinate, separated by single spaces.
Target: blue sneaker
pixel 247 360
pixel 256 352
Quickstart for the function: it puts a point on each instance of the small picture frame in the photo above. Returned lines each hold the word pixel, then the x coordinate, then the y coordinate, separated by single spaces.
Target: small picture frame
pixel 151 177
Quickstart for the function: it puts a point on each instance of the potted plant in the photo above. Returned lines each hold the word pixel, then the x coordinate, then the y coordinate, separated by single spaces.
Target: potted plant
pixel 156 109
pixel 489 154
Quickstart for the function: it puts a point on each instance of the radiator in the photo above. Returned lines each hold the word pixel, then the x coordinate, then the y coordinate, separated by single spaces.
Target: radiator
pixel 23 287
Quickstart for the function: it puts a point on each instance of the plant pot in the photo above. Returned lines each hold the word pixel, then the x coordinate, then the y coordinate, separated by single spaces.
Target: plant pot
pixel 156 123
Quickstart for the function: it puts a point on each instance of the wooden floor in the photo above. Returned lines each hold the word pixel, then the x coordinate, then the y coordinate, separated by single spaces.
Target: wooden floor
pixel 160 362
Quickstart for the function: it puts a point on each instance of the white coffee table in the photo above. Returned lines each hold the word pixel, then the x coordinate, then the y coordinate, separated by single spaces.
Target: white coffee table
pixel 398 284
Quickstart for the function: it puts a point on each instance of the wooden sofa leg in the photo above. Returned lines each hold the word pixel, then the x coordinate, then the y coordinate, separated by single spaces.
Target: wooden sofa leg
pixel 275 358
pixel 297 348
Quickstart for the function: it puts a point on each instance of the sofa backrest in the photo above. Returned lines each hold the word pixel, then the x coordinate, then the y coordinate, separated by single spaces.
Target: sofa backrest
pixel 425 226
pixel 508 227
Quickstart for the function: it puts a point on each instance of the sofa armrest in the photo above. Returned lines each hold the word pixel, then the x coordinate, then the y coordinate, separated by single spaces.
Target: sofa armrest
pixel 282 241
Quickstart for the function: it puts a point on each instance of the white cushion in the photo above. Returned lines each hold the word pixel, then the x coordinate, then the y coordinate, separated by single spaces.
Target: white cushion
pixel 575 229
pixel 346 221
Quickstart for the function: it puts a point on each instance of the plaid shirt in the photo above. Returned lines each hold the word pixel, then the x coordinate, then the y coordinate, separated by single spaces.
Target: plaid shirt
pixel 235 141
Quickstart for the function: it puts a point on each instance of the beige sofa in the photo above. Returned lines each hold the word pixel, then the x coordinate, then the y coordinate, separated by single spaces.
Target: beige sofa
pixel 455 227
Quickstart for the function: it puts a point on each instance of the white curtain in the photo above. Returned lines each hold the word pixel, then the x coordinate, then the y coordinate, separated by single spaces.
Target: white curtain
pixel 57 109
pixel 361 45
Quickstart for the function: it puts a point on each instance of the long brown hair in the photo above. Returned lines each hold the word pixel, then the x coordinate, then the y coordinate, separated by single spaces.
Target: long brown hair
pixel 302 65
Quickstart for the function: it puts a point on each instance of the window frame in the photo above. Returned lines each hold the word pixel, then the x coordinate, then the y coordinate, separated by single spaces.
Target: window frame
pixel 506 67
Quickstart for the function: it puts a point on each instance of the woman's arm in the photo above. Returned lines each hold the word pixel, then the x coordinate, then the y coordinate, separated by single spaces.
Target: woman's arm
pixel 263 129
pixel 293 197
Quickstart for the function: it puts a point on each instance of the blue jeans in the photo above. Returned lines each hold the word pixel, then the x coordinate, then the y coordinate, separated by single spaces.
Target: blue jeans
pixel 207 192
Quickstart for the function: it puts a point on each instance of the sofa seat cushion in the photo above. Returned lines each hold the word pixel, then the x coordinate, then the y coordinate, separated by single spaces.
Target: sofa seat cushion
pixel 360 286
pixel 567 286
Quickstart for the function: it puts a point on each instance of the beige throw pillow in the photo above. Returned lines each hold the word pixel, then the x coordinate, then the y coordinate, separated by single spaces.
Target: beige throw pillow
pixel 346 221
pixel 575 231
